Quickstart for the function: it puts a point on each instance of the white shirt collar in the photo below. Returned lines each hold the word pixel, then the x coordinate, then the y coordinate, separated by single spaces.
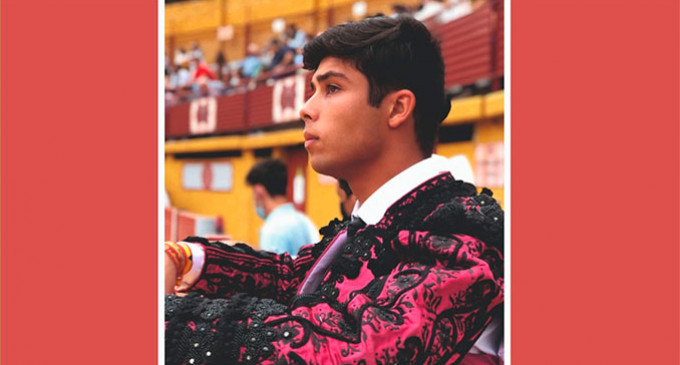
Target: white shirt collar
pixel 375 206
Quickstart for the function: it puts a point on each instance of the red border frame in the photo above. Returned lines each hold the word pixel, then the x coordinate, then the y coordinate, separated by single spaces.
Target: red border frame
pixel 79 151
pixel 594 145
pixel 594 182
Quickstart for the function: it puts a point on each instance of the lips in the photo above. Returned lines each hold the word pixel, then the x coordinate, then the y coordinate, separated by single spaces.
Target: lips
pixel 309 139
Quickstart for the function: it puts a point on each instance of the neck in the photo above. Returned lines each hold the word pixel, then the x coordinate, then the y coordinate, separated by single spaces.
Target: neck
pixel 274 202
pixel 366 182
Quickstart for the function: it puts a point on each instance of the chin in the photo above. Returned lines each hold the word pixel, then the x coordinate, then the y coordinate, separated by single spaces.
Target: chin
pixel 323 166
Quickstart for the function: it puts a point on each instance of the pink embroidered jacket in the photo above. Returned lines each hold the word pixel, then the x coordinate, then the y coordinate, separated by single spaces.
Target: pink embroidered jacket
pixel 416 288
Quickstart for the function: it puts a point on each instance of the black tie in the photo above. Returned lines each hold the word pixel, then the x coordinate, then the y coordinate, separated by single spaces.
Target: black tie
pixel 354 225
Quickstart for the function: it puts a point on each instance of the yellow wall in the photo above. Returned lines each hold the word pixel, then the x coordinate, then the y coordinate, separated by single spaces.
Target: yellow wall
pixel 193 16
pixel 235 207
pixel 465 110
pixel 241 12
pixel 197 21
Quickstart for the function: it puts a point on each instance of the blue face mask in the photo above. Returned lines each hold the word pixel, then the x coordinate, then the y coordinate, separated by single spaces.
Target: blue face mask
pixel 260 211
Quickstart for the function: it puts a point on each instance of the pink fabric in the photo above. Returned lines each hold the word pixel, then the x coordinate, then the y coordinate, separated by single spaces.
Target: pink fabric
pixel 481 359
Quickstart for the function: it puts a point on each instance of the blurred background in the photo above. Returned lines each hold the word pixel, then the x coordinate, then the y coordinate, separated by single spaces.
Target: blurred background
pixel 234 85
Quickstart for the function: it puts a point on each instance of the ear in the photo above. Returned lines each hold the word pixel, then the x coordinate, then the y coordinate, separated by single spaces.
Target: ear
pixel 259 191
pixel 402 104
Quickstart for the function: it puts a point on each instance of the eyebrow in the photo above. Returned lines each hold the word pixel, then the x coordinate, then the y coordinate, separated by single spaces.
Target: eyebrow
pixel 328 75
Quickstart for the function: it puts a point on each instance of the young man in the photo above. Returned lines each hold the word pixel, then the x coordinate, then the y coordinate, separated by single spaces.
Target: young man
pixel 417 274
pixel 285 229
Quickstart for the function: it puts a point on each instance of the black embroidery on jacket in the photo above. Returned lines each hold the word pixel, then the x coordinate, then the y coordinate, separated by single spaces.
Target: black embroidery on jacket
pixel 244 328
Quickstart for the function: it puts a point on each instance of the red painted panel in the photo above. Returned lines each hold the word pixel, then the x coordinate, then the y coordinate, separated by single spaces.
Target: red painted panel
pixel 170 224
pixel 473 20
pixel 474 46
pixel 466 47
pixel 230 116
pixel 230 113
pixel 478 54
pixel 467 71
pixel 259 106
pixel 500 43
pixel 466 77
pixel 177 120
pixel 467 65
pixel 458 28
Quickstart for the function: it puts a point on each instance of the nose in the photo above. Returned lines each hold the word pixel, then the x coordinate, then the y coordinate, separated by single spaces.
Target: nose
pixel 308 113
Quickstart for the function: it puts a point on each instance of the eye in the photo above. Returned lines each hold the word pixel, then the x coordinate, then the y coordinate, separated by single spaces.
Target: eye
pixel 332 89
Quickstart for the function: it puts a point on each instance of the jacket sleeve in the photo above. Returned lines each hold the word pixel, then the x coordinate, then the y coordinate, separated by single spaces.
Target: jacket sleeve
pixel 228 270
pixel 414 313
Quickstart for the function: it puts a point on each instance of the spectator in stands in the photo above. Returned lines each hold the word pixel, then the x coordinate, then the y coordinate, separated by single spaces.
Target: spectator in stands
pixel 298 60
pixel 203 78
pixel 180 82
pixel 252 64
pixel 196 51
pixel 267 56
pixel 279 51
pixel 347 199
pixel 295 38
pixel 184 77
pixel 170 81
pixel 286 67
pixel 285 229
pixel 235 78
pixel 181 57
pixel 414 279
pixel 201 70
pixel 222 66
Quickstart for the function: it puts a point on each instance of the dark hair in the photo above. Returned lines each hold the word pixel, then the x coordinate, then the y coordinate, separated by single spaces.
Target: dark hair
pixel 272 174
pixel 344 185
pixel 393 54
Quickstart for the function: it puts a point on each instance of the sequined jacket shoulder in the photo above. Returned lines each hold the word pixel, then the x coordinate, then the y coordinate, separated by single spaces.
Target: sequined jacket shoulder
pixel 416 288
